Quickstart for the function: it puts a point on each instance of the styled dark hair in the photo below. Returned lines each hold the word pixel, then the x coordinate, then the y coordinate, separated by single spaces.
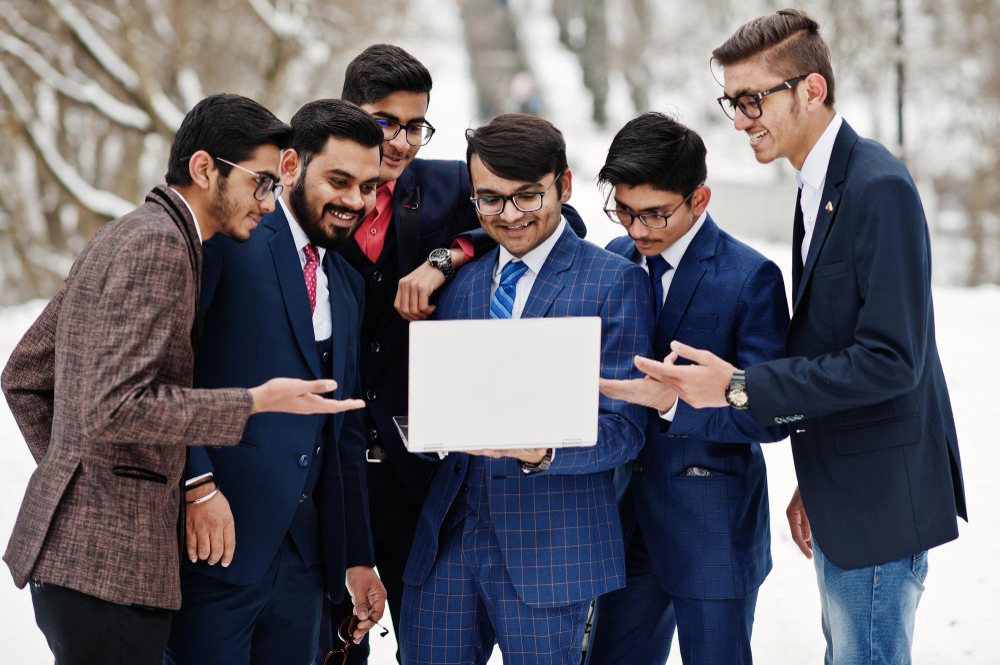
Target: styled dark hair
pixel 518 147
pixel 655 150
pixel 227 126
pixel 323 119
pixel 787 41
pixel 379 71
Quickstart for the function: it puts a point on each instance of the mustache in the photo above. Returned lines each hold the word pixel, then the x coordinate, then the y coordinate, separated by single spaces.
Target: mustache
pixel 344 210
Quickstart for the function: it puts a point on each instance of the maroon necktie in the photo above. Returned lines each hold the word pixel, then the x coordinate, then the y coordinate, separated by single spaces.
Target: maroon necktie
pixel 312 262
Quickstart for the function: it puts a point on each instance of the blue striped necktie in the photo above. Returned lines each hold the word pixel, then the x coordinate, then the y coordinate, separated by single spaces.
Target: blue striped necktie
pixel 502 305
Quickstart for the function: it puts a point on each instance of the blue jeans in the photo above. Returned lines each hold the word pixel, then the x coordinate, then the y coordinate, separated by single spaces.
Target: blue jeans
pixel 868 613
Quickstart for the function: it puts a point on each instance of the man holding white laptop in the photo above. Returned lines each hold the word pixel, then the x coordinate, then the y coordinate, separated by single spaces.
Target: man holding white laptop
pixel 513 544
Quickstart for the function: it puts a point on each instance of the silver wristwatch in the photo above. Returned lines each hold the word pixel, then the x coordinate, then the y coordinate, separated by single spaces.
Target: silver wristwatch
pixel 736 393
pixel 441 259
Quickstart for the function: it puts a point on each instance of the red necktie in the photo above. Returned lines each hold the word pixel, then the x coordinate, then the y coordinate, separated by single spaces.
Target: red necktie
pixel 312 262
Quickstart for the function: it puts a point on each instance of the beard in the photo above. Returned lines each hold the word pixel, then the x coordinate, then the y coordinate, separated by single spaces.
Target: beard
pixel 331 238
pixel 224 210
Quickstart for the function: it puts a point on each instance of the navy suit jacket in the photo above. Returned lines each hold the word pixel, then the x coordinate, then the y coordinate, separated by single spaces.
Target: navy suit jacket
pixel 873 438
pixel 708 537
pixel 257 327
pixel 558 529
pixel 441 191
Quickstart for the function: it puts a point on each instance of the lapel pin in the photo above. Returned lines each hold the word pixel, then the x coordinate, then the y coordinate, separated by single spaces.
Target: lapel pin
pixel 829 206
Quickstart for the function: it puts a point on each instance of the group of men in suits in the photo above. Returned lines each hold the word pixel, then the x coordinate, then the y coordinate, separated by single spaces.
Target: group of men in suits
pixel 323 239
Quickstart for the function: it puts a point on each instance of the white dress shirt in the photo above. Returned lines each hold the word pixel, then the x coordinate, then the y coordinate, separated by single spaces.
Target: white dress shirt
pixel 322 320
pixel 812 178
pixel 193 216
pixel 535 259
pixel 673 256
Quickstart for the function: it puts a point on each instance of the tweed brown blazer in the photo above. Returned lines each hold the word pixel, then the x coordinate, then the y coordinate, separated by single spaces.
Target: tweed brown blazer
pixel 100 387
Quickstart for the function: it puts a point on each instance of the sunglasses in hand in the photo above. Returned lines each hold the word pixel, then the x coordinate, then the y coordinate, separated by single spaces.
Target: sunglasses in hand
pixel 345 631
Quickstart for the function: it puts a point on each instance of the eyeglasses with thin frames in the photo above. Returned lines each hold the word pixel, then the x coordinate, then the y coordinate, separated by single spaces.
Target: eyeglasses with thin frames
pixel 489 206
pixel 749 103
pixel 651 220
pixel 345 631
pixel 265 183
pixel 417 134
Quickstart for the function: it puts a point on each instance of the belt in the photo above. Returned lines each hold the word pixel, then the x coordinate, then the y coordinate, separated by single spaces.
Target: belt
pixel 376 454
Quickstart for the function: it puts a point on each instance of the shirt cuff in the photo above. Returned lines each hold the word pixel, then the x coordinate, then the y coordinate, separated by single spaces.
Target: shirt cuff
pixel 192 481
pixel 466 246
pixel 669 415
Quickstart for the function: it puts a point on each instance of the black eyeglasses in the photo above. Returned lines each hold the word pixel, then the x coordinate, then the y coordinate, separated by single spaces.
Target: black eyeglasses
pixel 523 201
pixel 417 134
pixel 651 220
pixel 749 104
pixel 345 631
pixel 265 183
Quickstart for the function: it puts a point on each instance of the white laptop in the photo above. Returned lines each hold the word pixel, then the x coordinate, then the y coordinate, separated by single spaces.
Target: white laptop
pixel 524 383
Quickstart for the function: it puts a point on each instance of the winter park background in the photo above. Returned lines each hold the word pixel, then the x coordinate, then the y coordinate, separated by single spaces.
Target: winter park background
pixel 92 90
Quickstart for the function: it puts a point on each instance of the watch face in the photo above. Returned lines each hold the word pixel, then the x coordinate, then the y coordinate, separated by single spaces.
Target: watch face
pixel 439 255
pixel 737 396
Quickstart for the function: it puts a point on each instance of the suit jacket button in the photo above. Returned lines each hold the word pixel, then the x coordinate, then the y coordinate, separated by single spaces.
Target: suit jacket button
pixel 370 395
pixel 637 467
pixel 304 460
pixel 377 276
pixel 326 356
pixel 375 347
pixel 317 450
pixel 458 468
pixel 373 434
pixel 303 498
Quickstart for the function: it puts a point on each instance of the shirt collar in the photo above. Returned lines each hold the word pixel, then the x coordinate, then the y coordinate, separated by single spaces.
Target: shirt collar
pixel 535 258
pixel 675 252
pixel 197 227
pixel 817 162
pixel 298 235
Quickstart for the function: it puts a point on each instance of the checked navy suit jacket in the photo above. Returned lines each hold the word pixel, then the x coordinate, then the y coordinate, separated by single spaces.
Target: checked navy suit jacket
pixel 558 529
pixel 708 536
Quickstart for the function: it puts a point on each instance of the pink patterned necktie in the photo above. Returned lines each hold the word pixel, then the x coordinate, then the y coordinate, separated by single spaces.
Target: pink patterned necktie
pixel 312 262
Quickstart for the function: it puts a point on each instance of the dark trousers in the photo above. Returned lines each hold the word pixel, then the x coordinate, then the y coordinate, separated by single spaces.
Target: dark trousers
pixel 394 526
pixel 635 625
pixel 272 620
pixel 83 629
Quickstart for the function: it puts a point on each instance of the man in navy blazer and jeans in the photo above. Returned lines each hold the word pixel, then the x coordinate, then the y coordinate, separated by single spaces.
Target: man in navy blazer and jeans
pixel 294 490
pixel 694 503
pixel 876 453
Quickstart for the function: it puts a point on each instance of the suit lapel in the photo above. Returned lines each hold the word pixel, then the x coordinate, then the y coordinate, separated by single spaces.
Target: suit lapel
pixel 293 286
pixel 406 218
pixel 686 278
pixel 549 283
pixel 836 174
pixel 340 308
pixel 482 285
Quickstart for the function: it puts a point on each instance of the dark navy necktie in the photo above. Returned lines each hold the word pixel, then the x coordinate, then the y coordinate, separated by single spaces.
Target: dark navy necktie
pixel 658 267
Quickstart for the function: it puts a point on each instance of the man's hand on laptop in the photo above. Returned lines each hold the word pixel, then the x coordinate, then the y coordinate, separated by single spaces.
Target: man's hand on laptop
pixel 529 455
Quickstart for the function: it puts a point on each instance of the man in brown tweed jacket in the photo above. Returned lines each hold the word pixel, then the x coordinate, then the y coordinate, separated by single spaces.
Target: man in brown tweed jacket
pixel 100 386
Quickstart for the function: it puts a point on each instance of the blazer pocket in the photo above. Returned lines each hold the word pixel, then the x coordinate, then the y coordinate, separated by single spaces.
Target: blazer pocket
pixel 247 443
pixel 138 473
pixel 830 270
pixel 877 435
pixel 703 322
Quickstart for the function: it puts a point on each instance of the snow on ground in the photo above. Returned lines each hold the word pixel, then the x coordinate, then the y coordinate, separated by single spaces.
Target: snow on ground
pixel 958 611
